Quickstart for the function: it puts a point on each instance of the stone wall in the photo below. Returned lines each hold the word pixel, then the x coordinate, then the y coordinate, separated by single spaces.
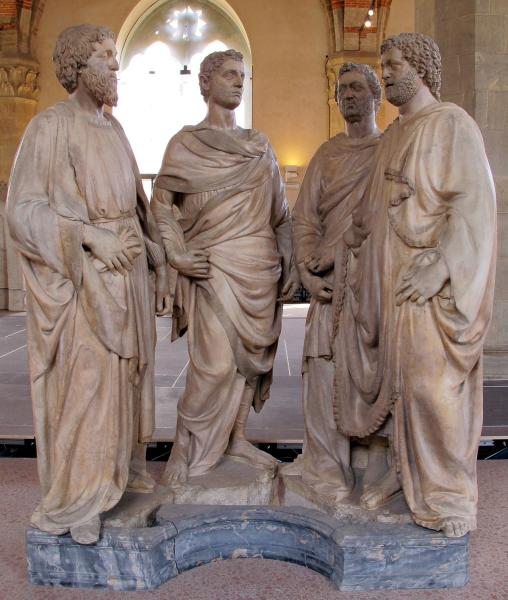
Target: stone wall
pixel 473 38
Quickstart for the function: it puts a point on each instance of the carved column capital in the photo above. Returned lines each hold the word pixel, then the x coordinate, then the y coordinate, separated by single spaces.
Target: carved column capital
pixel 19 78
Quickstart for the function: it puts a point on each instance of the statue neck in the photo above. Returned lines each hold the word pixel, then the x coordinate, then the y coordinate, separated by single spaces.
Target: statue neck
pixel 220 117
pixel 363 128
pixel 419 101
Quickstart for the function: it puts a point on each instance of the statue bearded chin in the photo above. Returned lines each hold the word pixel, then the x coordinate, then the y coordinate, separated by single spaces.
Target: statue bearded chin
pixel 401 92
pixel 102 86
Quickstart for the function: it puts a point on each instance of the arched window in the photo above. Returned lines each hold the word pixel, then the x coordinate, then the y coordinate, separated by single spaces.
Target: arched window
pixel 159 65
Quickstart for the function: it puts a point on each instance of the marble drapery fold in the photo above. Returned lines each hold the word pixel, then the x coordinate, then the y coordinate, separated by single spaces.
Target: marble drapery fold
pixel 91 333
pixel 231 201
pixel 431 197
pixel 332 189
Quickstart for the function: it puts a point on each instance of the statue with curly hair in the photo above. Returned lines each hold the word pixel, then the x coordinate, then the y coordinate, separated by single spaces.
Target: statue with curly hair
pixel 419 294
pixel 83 226
pixel 232 252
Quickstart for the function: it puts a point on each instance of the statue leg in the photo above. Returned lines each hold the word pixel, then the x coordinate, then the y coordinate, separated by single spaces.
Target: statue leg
pixel 238 446
pixel 380 485
pixel 139 481
pixel 177 467
pixel 325 464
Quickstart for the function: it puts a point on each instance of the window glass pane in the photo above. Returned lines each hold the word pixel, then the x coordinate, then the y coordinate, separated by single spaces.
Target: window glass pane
pixel 157 94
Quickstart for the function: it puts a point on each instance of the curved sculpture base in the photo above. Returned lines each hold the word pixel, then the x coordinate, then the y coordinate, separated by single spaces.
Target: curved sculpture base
pixel 354 556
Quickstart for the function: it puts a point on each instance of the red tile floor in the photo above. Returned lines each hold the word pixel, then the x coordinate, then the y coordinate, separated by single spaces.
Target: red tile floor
pixel 255 579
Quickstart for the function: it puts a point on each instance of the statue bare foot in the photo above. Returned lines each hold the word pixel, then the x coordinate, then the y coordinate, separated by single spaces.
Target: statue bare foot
pixel 455 527
pixel 240 448
pixel 176 471
pixel 87 533
pixel 140 483
pixel 382 492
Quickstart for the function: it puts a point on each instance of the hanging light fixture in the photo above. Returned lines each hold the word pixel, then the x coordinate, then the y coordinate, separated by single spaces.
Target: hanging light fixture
pixel 368 17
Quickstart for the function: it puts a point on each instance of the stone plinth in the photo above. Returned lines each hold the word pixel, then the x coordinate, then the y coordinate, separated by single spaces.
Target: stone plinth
pixel 354 556
pixel 231 482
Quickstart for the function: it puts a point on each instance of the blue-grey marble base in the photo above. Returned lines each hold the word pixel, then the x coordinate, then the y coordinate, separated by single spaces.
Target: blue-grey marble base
pixel 354 556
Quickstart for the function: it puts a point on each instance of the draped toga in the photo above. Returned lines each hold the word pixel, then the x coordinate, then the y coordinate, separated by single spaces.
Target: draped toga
pixel 231 202
pixel 91 333
pixel 333 186
pixel 431 198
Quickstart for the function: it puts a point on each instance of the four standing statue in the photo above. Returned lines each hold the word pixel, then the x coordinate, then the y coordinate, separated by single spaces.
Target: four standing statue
pixel 395 239
pixel 78 216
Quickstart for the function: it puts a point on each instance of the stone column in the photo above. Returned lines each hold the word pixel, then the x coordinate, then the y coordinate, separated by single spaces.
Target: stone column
pixel 19 23
pixel 473 38
pixel 18 104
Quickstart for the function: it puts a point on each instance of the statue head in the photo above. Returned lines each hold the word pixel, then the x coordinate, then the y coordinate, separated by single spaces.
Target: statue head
pixel 87 53
pixel 358 91
pixel 410 58
pixel 221 76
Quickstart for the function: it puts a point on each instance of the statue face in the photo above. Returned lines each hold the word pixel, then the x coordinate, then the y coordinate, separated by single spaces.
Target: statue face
pixel 400 79
pixel 99 75
pixel 355 98
pixel 225 86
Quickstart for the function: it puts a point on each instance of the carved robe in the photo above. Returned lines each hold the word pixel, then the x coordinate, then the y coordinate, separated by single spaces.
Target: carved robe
pixel 333 186
pixel 231 201
pixel 431 197
pixel 91 333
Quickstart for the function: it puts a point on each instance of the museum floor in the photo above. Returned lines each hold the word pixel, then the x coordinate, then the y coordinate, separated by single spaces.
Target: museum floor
pixel 251 579
pixel 280 422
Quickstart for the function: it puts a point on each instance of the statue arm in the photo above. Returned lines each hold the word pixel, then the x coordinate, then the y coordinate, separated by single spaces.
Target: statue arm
pixel 307 229
pixel 468 241
pixel 162 206
pixel 192 263
pixel 281 223
pixel 458 177
pixel 35 226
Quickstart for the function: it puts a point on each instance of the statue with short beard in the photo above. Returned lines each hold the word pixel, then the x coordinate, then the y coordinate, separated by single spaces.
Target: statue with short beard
pixel 332 189
pixel 82 224
pixel 418 296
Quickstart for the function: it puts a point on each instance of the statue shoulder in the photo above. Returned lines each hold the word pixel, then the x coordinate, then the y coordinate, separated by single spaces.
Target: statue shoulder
pixel 49 119
pixel 450 118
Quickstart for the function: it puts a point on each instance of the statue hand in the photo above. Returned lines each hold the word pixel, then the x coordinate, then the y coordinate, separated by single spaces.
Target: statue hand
pixel 117 252
pixel 320 262
pixel 162 296
pixel 290 286
pixel 355 236
pixel 192 263
pixel 317 286
pixel 422 282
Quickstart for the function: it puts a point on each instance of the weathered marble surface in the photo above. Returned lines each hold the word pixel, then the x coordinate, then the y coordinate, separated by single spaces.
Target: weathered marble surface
pixel 231 482
pixel 294 492
pixel 355 557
